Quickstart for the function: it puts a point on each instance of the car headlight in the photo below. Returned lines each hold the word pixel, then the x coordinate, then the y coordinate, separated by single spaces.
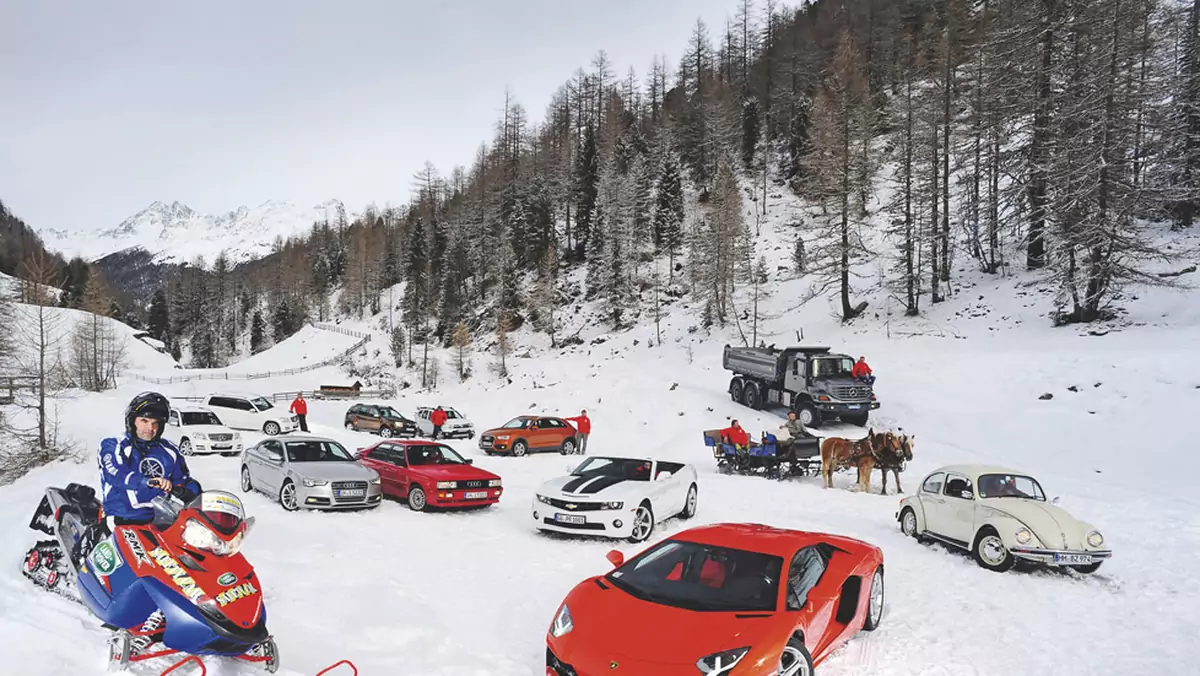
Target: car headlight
pixel 376 481
pixel 722 662
pixel 612 505
pixel 314 482
pixel 562 622
pixel 445 484
pixel 1095 539
pixel 1024 535
pixel 502 437
pixel 542 498
pixel 494 483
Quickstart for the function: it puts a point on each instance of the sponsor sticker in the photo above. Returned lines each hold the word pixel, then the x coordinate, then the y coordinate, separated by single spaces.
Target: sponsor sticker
pixel 104 557
pixel 151 468
pixel 220 502
pixel 236 593
pixel 178 575
pixel 227 579
pixel 135 545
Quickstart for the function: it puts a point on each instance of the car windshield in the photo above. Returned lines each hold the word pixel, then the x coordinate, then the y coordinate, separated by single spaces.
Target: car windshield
pixel 430 454
pixel 451 414
pixel 702 577
pixel 317 451
pixel 261 403
pixel 1010 486
pixel 390 413
pixel 516 423
pixel 830 367
pixel 200 418
pixel 624 468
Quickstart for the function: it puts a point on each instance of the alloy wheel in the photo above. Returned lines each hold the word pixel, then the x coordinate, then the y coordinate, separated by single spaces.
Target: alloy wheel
pixel 793 663
pixel 287 496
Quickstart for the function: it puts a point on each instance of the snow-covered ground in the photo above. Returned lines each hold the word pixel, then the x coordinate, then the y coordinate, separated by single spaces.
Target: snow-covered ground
pixel 399 592
pixel 468 594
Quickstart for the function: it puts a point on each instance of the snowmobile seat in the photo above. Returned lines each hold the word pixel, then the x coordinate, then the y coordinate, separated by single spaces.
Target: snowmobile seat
pixel 84 498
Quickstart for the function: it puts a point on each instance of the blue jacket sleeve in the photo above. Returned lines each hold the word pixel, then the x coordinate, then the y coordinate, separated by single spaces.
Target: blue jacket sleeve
pixel 116 470
pixel 182 476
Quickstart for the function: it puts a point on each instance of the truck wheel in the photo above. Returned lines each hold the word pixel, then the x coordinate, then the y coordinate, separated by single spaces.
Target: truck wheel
pixel 735 390
pixel 808 415
pixel 859 419
pixel 752 396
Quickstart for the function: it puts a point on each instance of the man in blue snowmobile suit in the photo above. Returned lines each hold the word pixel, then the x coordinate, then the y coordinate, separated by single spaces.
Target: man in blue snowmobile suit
pixel 136 467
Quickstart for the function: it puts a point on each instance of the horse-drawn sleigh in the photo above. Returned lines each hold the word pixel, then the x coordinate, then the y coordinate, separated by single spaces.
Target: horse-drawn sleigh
pixel 769 457
pixel 814 456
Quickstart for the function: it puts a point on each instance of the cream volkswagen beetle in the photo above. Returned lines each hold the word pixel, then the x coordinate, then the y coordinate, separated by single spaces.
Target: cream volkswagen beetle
pixel 1000 516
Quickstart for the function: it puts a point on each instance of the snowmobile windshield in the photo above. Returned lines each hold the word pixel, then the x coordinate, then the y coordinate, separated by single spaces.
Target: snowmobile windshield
pixel 221 510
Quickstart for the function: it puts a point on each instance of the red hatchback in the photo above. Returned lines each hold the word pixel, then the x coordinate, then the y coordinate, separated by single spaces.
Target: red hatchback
pixel 430 475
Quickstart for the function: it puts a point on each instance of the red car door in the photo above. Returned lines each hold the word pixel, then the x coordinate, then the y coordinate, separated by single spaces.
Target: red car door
pixel 382 460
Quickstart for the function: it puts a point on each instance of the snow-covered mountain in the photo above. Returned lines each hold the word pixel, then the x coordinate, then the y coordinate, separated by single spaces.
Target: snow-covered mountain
pixel 176 233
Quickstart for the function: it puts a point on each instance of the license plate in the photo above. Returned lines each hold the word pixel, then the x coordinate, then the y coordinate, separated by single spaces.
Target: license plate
pixel 351 493
pixel 1072 559
pixel 853 406
pixel 569 518
pixel 475 495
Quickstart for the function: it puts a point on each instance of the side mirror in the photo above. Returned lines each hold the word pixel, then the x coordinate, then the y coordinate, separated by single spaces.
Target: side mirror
pixel 470 461
pixel 616 558
pixel 968 495
pixel 570 468
pixel 1054 501
pixel 275 457
pixel 664 475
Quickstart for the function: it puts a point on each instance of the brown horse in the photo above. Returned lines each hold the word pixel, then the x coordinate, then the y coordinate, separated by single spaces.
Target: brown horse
pixel 837 453
pixel 892 458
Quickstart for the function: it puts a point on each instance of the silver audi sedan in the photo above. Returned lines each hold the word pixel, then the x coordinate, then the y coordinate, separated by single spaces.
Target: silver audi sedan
pixel 309 472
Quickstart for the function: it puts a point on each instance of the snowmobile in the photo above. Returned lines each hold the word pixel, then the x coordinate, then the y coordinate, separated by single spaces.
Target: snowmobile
pixel 175 585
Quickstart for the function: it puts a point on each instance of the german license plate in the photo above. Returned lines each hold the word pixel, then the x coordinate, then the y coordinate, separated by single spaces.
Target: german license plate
pixel 853 406
pixel 351 493
pixel 1073 559
pixel 475 495
pixel 569 518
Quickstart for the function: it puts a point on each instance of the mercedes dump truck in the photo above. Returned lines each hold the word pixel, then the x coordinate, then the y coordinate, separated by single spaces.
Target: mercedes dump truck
pixel 812 381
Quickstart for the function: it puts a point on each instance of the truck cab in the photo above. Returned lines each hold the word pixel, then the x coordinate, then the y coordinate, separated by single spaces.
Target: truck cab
pixel 813 381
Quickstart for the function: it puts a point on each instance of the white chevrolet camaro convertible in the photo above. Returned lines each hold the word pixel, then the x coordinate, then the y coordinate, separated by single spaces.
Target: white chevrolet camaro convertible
pixel 1001 516
pixel 616 497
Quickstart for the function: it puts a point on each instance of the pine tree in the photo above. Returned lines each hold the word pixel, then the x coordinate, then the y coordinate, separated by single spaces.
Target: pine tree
pixel 257 332
pixel 160 318
pixel 503 343
pixel 668 214
pixel 461 341
pixel 396 343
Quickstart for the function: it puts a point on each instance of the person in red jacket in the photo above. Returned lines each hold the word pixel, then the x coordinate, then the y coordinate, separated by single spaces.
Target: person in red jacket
pixel 584 425
pixel 862 372
pixel 735 435
pixel 438 418
pixel 300 408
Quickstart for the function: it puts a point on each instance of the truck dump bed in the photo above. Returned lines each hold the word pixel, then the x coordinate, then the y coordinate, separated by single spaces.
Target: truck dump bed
pixel 759 362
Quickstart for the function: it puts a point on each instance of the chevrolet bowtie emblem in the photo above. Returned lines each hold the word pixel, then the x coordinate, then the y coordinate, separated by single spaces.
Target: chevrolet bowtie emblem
pixel 613 665
pixel 571 505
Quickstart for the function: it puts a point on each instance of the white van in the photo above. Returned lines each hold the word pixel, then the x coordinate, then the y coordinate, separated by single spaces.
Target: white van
pixel 195 429
pixel 251 412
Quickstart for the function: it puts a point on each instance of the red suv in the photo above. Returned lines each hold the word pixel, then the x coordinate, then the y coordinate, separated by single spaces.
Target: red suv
pixel 429 474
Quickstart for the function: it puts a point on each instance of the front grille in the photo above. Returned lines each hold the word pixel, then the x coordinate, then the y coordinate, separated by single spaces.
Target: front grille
pixel 485 440
pixel 221 437
pixel 474 483
pixel 577 506
pixel 852 392
pixel 349 485
pixel 558 666
pixel 577 526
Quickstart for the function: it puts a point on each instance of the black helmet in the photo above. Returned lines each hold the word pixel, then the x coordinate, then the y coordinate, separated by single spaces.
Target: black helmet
pixel 147 405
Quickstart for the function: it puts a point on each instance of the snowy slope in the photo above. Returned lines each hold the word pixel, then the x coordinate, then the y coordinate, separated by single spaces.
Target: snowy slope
pixel 58 326
pixel 176 233
pixel 400 592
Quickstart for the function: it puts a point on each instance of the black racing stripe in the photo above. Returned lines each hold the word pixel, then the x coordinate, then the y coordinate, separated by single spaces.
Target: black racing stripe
pixel 571 485
pixel 602 483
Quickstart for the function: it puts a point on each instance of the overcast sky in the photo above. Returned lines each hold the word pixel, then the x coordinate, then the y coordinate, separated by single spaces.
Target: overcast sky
pixel 107 106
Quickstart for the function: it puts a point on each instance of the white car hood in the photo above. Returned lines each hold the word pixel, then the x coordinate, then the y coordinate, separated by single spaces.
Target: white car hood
pixel 595 488
pixel 1053 525
pixel 205 429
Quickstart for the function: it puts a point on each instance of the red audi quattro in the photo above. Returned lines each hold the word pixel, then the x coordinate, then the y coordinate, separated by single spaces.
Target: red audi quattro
pixel 430 475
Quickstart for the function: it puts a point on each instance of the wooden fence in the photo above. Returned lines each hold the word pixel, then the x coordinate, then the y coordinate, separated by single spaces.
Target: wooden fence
pixel 10 385
pixel 364 338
